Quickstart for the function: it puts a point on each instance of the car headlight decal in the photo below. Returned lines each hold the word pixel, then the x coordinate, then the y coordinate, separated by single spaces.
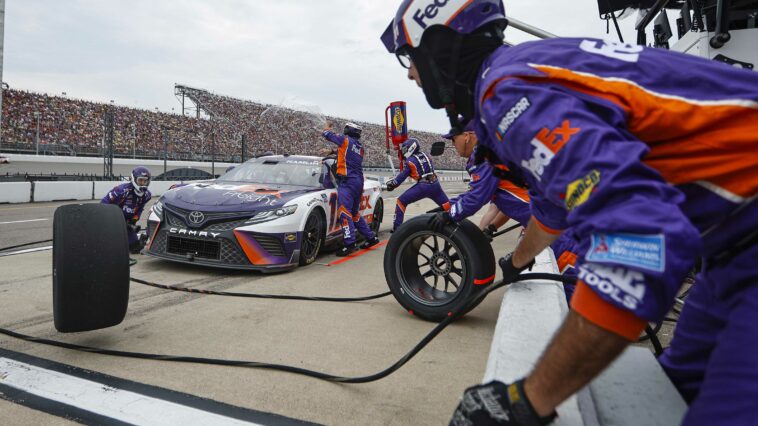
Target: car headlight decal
pixel 269 215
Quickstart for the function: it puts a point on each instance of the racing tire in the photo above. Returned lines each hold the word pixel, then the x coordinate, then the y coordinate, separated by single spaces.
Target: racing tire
pixel 90 267
pixel 435 274
pixel 378 215
pixel 313 238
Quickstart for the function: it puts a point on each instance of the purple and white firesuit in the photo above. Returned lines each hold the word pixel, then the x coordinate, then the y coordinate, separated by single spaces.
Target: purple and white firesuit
pixel 651 157
pixel 418 167
pixel 130 203
pixel 350 186
pixel 513 202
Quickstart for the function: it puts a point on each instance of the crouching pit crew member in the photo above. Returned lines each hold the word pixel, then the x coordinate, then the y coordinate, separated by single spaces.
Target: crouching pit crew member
pixel 418 166
pixel 650 173
pixel 132 197
pixel 489 184
pixel 350 186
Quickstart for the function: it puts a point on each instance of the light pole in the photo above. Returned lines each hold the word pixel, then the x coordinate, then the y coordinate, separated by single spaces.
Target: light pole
pixel 134 141
pixel 36 138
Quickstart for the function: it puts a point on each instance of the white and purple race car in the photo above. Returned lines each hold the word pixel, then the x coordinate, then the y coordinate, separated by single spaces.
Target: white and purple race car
pixel 271 213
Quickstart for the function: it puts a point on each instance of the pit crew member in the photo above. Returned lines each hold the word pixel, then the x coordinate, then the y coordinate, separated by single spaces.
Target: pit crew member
pixel 418 166
pixel 132 197
pixel 651 172
pixel 350 186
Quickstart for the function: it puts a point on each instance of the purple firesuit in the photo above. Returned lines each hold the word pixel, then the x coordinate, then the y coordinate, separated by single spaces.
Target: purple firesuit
pixel 130 203
pixel 513 202
pixel 350 186
pixel 650 157
pixel 418 167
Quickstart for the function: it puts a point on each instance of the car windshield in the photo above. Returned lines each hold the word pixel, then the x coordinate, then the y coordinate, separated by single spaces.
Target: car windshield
pixel 277 172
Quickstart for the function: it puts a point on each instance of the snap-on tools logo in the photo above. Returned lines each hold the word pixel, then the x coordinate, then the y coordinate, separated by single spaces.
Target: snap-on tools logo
pixel 546 144
pixel 641 251
pixel 578 191
pixel 620 284
pixel 511 116
pixel 428 13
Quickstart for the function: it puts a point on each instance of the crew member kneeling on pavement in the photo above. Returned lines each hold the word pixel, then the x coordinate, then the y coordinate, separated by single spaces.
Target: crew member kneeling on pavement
pixel 489 183
pixel 419 167
pixel 132 197
pixel 350 186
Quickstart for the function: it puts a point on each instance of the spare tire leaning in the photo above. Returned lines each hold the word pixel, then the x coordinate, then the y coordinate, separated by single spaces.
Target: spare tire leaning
pixel 90 267
pixel 434 274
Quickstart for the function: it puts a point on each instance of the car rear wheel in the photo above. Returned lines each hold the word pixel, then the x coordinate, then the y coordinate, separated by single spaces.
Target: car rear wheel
pixel 313 238
pixel 376 220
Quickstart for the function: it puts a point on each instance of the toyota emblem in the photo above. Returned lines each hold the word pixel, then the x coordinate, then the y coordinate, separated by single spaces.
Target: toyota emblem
pixel 196 218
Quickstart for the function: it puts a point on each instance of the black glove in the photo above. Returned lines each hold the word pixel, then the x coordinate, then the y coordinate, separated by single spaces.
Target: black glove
pixel 510 272
pixel 490 231
pixel 133 227
pixel 496 403
pixel 438 221
pixel 391 185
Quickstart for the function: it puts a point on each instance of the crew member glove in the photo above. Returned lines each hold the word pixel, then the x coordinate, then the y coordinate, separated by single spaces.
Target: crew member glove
pixel 496 403
pixel 391 185
pixel 510 272
pixel 439 220
pixel 133 227
pixel 489 232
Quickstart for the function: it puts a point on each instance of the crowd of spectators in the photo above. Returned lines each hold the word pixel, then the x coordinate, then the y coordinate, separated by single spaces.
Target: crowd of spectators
pixel 76 127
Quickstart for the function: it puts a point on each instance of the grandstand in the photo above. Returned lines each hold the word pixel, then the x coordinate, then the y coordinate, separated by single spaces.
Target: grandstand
pixel 209 123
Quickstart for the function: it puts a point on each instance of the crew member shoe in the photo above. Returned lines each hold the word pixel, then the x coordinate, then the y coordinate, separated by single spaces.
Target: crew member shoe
pixel 370 243
pixel 346 251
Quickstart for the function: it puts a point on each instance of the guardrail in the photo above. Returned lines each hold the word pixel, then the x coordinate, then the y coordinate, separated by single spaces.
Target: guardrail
pixel 30 192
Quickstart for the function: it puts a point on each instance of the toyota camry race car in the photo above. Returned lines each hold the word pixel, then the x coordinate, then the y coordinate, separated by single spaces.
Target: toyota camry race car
pixel 271 213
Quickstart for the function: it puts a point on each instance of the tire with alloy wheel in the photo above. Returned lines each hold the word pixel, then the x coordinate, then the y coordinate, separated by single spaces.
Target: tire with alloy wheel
pixel 313 238
pixel 435 274
pixel 376 219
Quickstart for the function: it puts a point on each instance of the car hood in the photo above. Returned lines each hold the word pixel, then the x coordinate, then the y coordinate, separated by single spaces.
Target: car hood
pixel 233 196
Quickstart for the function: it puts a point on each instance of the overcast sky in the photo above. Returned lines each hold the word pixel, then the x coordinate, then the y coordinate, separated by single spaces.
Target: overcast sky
pixel 323 53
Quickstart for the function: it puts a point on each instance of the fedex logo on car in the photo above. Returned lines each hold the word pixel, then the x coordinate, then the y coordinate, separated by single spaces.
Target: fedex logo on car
pixel 423 14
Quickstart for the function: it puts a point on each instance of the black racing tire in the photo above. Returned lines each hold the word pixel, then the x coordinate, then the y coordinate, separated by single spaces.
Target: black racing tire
pixel 313 238
pixel 435 274
pixel 378 216
pixel 90 267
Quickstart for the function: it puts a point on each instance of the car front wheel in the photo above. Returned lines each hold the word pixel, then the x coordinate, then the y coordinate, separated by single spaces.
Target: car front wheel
pixel 313 238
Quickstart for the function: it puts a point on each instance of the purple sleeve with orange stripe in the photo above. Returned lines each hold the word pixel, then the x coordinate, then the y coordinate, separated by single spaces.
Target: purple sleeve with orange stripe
pixel 403 175
pixel 482 187
pixel 585 172
pixel 334 138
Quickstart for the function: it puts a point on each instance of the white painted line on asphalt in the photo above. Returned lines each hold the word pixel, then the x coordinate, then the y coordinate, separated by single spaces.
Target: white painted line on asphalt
pixel 31 250
pixel 107 401
pixel 23 221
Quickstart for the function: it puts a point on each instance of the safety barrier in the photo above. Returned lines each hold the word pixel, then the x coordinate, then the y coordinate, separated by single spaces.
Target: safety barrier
pixel 60 191
pixel 530 313
pixel 15 192
pixel 25 192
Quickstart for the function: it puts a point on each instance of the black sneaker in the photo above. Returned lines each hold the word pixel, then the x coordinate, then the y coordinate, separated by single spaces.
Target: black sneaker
pixel 370 243
pixel 346 251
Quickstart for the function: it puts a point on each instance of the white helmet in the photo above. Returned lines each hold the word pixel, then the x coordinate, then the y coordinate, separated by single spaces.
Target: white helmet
pixel 354 130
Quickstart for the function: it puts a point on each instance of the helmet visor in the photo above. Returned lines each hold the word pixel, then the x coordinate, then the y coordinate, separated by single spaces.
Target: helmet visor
pixel 404 58
pixel 142 181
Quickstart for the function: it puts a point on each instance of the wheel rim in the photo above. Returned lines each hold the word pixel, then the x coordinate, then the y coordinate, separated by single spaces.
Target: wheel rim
pixel 431 268
pixel 311 236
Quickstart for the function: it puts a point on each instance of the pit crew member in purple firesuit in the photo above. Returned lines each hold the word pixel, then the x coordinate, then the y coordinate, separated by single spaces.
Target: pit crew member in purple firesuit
pixel 350 186
pixel 511 199
pixel 649 170
pixel 132 197
pixel 418 166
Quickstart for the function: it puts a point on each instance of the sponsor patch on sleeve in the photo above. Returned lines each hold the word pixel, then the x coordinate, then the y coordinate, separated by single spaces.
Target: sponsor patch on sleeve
pixel 641 251
pixel 512 115
pixel 625 287
pixel 578 191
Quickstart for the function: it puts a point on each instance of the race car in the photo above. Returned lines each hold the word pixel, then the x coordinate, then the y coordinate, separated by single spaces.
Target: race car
pixel 271 213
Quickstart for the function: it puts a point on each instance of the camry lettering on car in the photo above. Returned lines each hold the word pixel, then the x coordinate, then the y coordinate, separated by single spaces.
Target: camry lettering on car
pixel 190 233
